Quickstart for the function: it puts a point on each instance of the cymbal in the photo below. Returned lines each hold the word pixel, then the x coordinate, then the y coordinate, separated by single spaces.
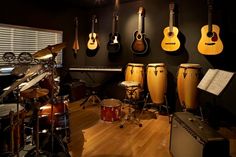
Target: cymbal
pixel 20 70
pixel 34 93
pixel 34 81
pixel 49 51
pixel 13 86
pixel 33 70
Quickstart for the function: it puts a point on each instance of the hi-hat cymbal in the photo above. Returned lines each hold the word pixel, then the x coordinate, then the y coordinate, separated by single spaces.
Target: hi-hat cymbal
pixel 49 51
pixel 34 93
pixel 34 81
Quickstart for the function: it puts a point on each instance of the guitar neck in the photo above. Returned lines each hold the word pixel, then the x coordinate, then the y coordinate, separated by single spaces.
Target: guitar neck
pixel 140 22
pixel 171 16
pixel 114 24
pixel 171 21
pixel 210 18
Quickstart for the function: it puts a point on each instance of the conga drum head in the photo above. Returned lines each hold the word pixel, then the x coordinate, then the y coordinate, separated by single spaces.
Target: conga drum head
pixel 190 65
pixel 110 110
pixel 156 65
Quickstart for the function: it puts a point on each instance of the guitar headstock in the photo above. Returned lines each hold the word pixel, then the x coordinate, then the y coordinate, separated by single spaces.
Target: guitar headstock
pixel 94 19
pixel 171 6
pixel 210 4
pixel 141 11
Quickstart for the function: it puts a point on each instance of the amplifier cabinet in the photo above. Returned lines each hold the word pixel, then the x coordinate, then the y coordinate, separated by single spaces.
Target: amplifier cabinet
pixel 191 137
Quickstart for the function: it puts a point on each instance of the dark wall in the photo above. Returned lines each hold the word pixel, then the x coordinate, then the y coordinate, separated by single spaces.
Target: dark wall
pixel 190 16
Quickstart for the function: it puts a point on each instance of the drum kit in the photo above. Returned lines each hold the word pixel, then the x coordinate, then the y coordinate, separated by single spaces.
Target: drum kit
pixel 26 88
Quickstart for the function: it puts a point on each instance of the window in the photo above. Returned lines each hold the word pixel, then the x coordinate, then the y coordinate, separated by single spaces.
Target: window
pixel 20 41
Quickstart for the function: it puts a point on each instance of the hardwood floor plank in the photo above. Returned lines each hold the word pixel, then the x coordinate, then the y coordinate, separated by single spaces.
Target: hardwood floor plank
pixel 93 137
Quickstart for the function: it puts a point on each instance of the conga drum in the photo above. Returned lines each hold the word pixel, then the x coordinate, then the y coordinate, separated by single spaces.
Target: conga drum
pixel 188 77
pixel 110 110
pixel 135 72
pixel 157 82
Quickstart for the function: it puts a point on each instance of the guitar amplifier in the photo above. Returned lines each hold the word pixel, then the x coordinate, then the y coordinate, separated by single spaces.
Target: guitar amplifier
pixel 191 137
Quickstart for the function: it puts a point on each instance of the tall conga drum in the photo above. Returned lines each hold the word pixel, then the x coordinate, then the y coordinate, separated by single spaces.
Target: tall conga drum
pixel 188 77
pixel 157 82
pixel 135 72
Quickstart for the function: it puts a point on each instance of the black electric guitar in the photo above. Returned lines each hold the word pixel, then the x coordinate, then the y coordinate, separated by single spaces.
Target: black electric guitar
pixel 210 42
pixel 113 45
pixel 93 38
pixel 170 41
pixel 140 45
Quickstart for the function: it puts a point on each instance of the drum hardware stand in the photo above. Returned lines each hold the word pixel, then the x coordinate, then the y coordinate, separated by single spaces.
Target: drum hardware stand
pixel 131 101
pixel 165 105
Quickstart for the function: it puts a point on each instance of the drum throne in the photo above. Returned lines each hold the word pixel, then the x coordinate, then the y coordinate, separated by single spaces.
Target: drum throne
pixel 92 97
pixel 131 102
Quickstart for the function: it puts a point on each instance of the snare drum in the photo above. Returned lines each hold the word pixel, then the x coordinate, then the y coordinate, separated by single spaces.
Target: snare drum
pixel 135 72
pixel 157 82
pixel 188 78
pixel 110 110
pixel 8 128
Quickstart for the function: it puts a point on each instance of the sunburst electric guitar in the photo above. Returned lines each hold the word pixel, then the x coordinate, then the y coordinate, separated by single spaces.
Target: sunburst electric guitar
pixel 140 45
pixel 76 41
pixel 210 42
pixel 93 38
pixel 170 41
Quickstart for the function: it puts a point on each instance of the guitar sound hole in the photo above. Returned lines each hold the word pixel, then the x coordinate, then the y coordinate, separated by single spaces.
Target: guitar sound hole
pixel 170 34
pixel 210 34
pixel 139 36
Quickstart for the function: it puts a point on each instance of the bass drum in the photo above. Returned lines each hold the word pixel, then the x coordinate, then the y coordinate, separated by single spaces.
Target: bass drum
pixel 8 128
pixel 135 72
pixel 188 77
pixel 157 82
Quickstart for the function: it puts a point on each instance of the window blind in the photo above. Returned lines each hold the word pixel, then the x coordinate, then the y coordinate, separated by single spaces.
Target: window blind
pixel 21 39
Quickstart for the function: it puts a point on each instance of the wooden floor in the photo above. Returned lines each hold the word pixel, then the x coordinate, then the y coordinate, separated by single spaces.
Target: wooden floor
pixel 92 137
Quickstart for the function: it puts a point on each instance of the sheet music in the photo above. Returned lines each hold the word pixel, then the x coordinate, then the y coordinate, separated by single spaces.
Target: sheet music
pixel 215 81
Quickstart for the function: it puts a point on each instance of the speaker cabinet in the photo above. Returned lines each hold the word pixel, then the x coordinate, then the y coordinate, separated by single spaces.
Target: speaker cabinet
pixel 191 137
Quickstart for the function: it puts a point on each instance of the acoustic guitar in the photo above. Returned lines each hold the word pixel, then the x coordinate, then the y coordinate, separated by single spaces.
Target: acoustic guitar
pixel 93 38
pixel 210 42
pixel 140 45
pixel 170 41
pixel 76 41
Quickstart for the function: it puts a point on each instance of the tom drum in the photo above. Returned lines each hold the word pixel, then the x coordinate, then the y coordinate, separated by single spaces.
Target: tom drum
pixel 110 110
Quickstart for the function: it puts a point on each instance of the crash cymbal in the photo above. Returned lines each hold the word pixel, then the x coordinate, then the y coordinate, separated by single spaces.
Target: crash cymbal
pixel 34 93
pixel 49 51
pixel 34 81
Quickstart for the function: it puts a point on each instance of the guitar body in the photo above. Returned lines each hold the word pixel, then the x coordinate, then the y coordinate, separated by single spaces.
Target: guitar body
pixel 170 41
pixel 139 45
pixel 92 42
pixel 210 42
pixel 113 45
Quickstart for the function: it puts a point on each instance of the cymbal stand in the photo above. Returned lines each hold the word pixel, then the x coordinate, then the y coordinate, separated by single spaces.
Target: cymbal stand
pixel 51 65
pixel 17 95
